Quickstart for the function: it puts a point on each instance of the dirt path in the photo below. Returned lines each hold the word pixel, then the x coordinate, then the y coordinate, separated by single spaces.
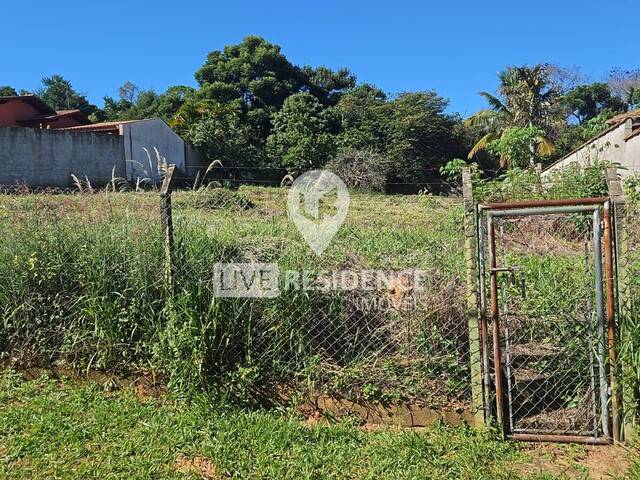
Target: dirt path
pixel 576 461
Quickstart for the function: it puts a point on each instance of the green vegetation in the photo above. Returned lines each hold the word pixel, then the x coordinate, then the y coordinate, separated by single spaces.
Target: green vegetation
pixel 253 107
pixel 51 429
pixel 81 285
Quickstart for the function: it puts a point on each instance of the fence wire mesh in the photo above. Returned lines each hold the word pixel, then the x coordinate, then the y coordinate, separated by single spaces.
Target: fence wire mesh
pixel 84 286
pixel 379 316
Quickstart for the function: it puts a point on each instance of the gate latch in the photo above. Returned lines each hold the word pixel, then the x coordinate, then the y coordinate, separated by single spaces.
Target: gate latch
pixel 512 276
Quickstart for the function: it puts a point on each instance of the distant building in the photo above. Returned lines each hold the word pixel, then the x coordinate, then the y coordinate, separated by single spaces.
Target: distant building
pixel 620 143
pixel 30 111
pixel 142 139
pixel 42 147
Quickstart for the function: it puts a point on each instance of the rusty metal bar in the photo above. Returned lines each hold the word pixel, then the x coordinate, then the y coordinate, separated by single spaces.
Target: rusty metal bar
pixel 543 203
pixel 611 320
pixel 484 330
pixel 528 437
pixel 597 257
pixel 495 318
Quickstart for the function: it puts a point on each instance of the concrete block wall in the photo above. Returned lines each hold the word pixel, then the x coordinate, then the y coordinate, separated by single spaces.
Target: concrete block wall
pixel 152 134
pixel 39 157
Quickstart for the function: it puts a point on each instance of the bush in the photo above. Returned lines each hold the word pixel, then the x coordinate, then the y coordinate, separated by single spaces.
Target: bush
pixel 632 187
pixel 576 181
pixel 573 181
pixel 452 173
pixel 360 169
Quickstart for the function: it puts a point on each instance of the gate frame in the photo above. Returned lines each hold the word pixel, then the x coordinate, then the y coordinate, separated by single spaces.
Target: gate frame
pixel 617 285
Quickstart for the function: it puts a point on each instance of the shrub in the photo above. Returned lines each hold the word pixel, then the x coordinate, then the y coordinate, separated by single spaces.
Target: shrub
pixel 452 173
pixel 573 181
pixel 520 147
pixel 360 169
pixel 577 181
pixel 632 187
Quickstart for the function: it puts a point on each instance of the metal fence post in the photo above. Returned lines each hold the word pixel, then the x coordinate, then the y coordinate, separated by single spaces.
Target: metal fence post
pixel 470 248
pixel 166 216
pixel 623 287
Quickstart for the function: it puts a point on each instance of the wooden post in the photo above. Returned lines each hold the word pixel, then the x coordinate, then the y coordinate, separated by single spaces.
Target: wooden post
pixel 623 287
pixel 470 249
pixel 166 217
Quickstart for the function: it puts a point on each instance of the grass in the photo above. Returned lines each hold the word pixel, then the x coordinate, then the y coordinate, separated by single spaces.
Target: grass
pixel 81 286
pixel 62 429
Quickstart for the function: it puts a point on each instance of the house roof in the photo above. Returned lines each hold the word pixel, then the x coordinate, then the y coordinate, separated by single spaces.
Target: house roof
pixel 623 117
pixel 99 127
pixel 32 100
pixel 61 114
pixel 634 133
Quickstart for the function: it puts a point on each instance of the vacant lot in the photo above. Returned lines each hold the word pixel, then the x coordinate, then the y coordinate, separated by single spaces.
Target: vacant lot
pixel 81 286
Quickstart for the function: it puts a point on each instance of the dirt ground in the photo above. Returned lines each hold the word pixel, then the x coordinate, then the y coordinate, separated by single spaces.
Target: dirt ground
pixel 576 461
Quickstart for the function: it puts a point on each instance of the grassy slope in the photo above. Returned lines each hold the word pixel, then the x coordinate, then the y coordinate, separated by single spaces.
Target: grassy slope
pixel 52 429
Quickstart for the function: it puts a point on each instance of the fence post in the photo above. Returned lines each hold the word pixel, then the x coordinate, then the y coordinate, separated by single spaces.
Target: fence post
pixel 621 242
pixel 166 217
pixel 470 250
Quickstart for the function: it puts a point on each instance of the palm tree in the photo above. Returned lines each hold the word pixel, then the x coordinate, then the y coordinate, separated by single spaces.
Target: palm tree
pixel 525 98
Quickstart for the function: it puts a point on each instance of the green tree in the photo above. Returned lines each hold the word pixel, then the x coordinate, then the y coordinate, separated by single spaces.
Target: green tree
pixel 221 133
pixel 585 102
pixel 326 85
pixel 361 116
pixel 134 103
pixel 59 94
pixel 7 91
pixel 420 136
pixel 574 136
pixel 513 146
pixel 254 70
pixel 526 99
pixel 256 73
pixel 300 139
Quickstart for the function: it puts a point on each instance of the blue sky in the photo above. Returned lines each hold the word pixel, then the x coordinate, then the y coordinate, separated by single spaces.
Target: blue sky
pixel 454 47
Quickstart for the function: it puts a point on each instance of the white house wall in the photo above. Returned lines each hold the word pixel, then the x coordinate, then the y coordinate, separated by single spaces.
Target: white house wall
pixel 633 155
pixel 150 134
pixel 611 147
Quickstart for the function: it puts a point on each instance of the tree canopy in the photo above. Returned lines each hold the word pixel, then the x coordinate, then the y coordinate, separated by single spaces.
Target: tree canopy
pixel 252 106
pixel 59 94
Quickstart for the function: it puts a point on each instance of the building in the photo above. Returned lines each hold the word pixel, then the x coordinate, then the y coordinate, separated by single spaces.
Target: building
pixel 143 142
pixel 42 147
pixel 619 143
pixel 30 111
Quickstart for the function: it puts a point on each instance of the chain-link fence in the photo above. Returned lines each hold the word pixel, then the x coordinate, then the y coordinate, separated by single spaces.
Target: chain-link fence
pixel 552 329
pixel 380 317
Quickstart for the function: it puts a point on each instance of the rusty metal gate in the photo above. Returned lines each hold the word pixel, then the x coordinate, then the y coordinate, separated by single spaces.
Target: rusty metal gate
pixel 548 319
